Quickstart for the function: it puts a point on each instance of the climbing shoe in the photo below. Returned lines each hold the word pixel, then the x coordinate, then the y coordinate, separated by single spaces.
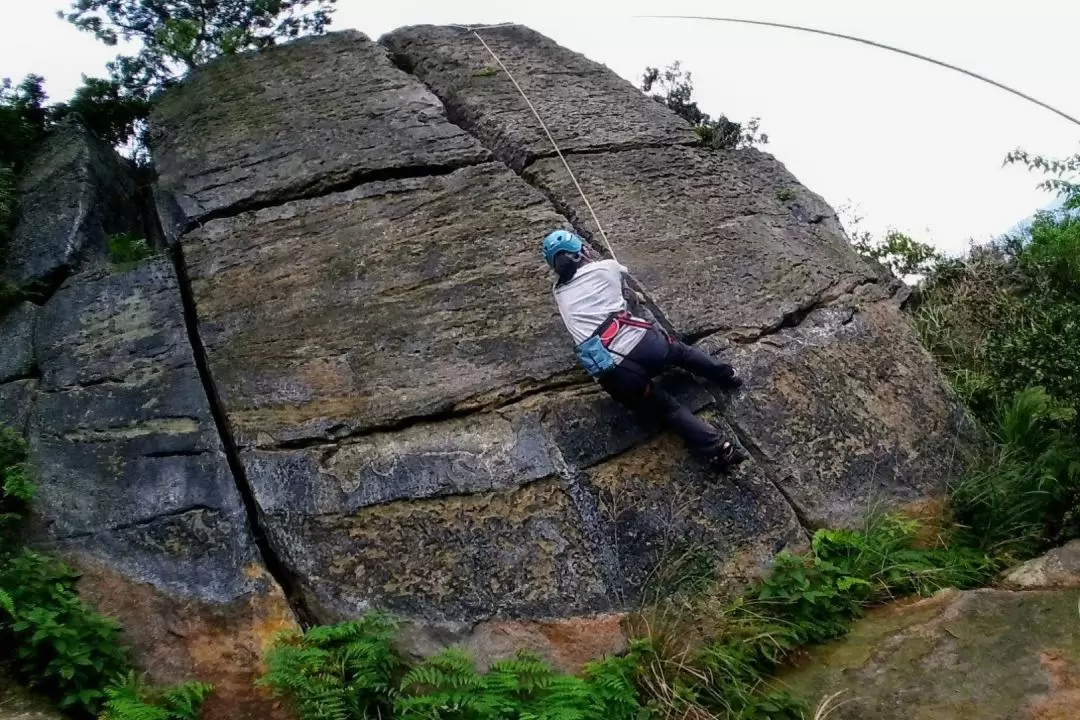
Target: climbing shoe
pixel 727 456
pixel 726 378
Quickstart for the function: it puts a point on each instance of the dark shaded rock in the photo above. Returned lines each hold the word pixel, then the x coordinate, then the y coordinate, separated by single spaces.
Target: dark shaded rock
pixel 18 703
pixel 17 402
pixel 299 119
pixel 658 506
pixel 848 411
pixel 585 105
pixel 519 552
pixel 73 194
pixel 392 301
pixel 135 489
pixel 705 233
pixel 977 655
pixel 114 328
pixel 588 427
pixel 17 348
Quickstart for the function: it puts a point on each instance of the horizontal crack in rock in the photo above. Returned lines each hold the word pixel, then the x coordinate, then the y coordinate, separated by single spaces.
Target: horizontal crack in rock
pixel 142 523
pixel 466 408
pixel 323 187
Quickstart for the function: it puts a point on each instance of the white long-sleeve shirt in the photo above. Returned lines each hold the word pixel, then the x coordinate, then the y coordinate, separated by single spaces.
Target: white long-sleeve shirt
pixel 589 298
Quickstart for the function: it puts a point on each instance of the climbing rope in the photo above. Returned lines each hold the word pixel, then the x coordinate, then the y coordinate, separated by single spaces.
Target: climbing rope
pixel 558 151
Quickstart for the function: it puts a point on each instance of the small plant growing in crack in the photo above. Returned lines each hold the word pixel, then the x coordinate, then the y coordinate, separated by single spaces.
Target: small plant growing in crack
pixel 127 250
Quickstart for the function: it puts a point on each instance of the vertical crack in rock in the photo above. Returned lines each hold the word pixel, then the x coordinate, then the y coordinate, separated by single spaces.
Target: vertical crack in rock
pixel 274 564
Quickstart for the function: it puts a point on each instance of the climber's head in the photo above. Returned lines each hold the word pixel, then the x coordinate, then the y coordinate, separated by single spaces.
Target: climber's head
pixel 564 252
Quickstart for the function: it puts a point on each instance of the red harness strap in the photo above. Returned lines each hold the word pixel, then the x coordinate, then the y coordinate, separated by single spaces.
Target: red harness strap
pixel 611 327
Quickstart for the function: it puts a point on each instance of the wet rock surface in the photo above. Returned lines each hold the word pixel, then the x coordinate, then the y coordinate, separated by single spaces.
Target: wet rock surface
pixel 133 484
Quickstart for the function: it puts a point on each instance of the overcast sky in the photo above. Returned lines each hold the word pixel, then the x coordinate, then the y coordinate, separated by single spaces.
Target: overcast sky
pixel 913 146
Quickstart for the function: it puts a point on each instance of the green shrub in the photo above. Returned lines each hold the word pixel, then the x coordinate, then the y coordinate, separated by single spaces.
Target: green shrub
pixel 131 699
pixel 338 671
pixel 351 671
pixel 57 644
pixel 127 250
pixel 1025 498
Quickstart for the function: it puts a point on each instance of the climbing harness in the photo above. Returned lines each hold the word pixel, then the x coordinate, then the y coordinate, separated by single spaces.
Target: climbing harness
pixel 558 151
pixel 595 353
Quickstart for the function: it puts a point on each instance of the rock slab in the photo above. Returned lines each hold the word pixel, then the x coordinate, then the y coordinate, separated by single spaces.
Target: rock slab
pixel 295 120
pixel 976 655
pixel 134 487
pixel 368 308
pixel 585 105
pixel 74 193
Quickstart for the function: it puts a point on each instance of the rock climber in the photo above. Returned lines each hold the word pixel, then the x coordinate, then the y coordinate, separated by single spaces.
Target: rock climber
pixel 624 353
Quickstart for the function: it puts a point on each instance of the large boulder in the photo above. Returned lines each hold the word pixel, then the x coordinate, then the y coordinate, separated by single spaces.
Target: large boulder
pixel 407 410
pixel 74 193
pixel 976 655
pixel 134 487
pixel 844 409
pixel 304 118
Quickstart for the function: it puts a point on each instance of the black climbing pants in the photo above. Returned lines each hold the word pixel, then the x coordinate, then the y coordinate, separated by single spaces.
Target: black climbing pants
pixel 630 383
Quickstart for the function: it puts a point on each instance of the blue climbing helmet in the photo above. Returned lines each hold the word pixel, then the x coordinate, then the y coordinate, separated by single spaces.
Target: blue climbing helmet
pixel 561 241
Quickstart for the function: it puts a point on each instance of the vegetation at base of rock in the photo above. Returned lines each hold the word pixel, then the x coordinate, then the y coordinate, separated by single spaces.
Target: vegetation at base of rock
pixel 674 88
pixel 127 250
pixel 700 654
pixel 58 645
pixel 133 699
pixel 51 640
pixel 351 670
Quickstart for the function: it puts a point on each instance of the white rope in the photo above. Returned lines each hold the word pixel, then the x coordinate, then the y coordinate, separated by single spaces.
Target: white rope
pixel 603 235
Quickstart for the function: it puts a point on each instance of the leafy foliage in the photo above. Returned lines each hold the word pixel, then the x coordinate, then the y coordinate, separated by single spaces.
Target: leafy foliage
pixel 1062 174
pixel 350 671
pixel 57 644
pixel 336 672
pixel 132 699
pixel 1027 496
pixel 53 641
pixel 675 89
pixel 127 250
pixel 177 36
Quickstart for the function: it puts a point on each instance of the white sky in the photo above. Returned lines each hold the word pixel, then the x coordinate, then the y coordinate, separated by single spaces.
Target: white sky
pixel 913 146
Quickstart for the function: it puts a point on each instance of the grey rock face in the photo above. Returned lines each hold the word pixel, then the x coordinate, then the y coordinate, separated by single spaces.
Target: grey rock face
pixel 392 375
pixel 129 459
pixel 733 252
pixel 16 401
pixel 74 193
pixel 298 119
pixel 585 105
pixel 17 342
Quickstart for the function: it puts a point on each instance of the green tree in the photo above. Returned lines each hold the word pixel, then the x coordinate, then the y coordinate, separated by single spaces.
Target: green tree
pixel 176 36
pixel 674 88
pixel 1062 174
